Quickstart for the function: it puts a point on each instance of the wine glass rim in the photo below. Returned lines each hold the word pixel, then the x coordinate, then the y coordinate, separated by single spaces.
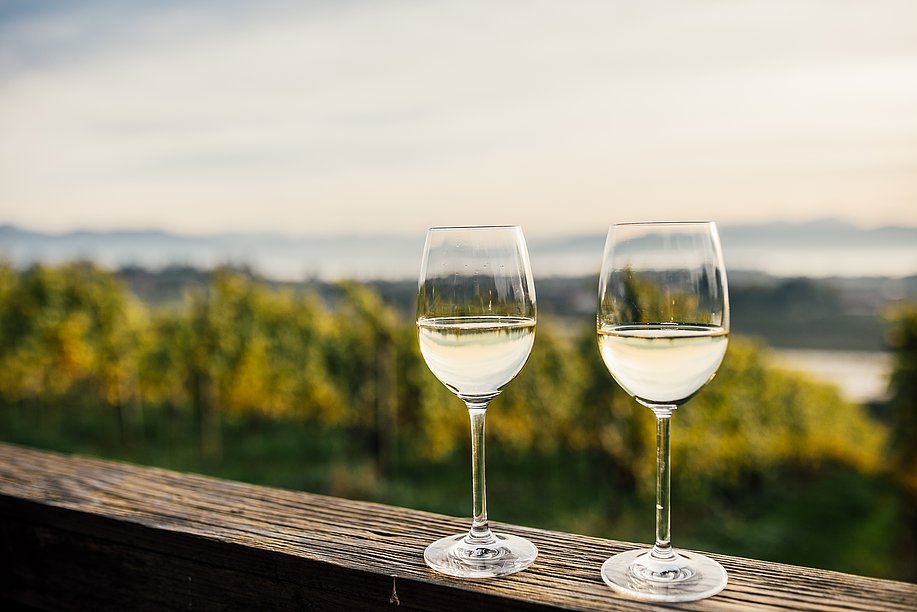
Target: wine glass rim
pixel 440 228
pixel 662 223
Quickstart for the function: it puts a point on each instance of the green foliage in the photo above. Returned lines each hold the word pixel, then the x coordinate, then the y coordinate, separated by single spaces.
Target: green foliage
pixel 754 417
pixel 66 332
pixel 237 347
pixel 229 377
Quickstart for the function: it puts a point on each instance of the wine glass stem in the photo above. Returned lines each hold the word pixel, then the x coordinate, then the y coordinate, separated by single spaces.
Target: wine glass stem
pixel 662 549
pixel 480 531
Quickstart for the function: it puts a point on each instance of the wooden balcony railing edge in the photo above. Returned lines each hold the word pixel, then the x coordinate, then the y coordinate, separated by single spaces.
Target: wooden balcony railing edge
pixel 81 533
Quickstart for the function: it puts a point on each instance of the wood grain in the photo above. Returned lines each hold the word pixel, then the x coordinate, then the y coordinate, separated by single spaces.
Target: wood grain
pixel 80 533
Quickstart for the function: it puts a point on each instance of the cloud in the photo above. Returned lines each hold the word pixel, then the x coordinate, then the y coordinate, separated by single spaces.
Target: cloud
pixel 395 115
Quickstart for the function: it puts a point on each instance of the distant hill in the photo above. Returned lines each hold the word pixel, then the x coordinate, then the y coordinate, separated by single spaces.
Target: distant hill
pixel 818 233
pixel 821 248
pixel 818 249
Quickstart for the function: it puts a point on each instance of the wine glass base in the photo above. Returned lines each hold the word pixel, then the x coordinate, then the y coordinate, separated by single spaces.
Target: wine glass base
pixel 689 577
pixel 453 556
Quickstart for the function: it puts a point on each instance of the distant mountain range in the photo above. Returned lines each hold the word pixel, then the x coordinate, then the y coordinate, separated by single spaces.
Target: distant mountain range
pixel 816 249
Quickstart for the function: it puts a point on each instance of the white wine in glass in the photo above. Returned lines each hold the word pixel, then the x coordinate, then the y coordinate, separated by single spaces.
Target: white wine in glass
pixel 663 327
pixel 476 326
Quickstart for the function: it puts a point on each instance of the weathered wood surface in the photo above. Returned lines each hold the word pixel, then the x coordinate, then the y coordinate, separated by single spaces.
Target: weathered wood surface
pixel 79 533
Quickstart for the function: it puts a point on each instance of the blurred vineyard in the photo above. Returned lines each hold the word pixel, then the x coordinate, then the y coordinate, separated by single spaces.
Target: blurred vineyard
pixel 328 393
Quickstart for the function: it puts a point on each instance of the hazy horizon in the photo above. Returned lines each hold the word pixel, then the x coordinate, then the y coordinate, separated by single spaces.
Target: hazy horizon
pixel 815 249
pixel 364 118
pixel 293 234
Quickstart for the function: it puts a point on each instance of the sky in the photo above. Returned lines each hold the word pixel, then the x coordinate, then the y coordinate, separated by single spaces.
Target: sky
pixel 352 117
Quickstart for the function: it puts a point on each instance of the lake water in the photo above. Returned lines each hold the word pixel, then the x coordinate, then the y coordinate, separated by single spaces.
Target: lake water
pixel 862 376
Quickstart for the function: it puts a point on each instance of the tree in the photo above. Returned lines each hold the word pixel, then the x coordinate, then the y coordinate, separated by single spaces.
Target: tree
pixel 903 444
pixel 363 357
pixel 902 339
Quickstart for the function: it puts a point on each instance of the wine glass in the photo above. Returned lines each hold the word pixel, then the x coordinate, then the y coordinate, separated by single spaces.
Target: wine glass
pixel 476 327
pixel 663 326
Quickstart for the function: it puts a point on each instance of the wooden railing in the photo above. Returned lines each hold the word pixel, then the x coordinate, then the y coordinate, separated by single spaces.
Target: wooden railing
pixel 88 534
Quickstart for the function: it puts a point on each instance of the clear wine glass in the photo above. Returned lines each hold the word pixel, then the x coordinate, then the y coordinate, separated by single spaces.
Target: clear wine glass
pixel 476 326
pixel 663 327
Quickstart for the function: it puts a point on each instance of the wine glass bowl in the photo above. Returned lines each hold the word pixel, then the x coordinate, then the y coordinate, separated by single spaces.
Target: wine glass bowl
pixel 663 327
pixel 476 319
